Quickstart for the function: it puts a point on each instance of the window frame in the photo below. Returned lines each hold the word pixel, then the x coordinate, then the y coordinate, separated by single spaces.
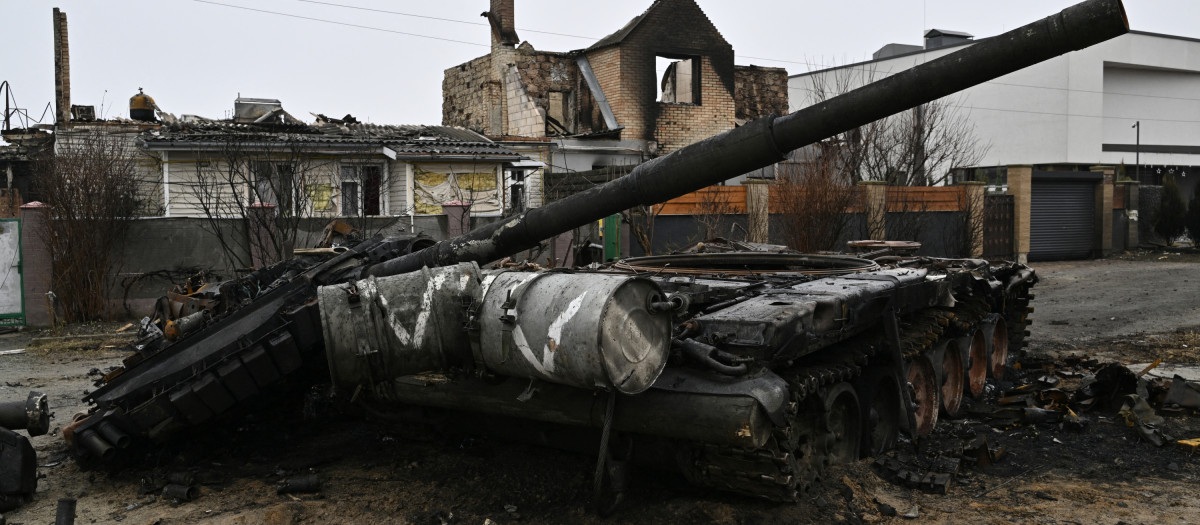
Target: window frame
pixel 695 61
pixel 357 178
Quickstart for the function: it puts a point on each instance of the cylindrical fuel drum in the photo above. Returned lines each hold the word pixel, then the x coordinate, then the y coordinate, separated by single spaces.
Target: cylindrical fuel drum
pixel 587 330
pixel 378 329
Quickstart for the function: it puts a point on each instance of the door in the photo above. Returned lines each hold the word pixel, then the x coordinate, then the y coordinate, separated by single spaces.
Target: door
pixel 12 304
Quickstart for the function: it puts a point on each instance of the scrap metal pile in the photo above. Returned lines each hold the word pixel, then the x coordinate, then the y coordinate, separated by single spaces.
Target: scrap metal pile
pixel 753 371
pixel 1066 394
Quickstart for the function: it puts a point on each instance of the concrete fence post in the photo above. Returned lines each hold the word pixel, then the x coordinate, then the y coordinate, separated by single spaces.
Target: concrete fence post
pixel 973 207
pixel 37 264
pixel 564 256
pixel 457 220
pixel 262 231
pixel 1020 186
pixel 758 195
pixel 875 201
pixel 1104 210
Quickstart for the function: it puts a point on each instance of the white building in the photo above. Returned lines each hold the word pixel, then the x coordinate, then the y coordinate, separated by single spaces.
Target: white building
pixel 1073 111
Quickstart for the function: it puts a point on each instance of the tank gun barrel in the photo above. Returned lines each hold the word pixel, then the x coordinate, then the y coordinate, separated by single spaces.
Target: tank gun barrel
pixel 763 142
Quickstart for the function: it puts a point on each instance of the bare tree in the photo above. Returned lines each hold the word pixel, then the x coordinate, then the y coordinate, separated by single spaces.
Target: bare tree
pixel 714 211
pixel 273 188
pixel 967 226
pixel 814 198
pixel 917 147
pixel 92 187
pixel 921 146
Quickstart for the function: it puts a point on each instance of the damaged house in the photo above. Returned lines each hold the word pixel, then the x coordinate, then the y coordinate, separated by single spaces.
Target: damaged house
pixel 331 168
pixel 590 114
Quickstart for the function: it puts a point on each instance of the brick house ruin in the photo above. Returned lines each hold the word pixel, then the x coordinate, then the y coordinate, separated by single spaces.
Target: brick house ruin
pixel 606 106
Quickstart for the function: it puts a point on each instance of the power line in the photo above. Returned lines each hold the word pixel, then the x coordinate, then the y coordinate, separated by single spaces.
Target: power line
pixel 427 17
pixel 347 24
pixel 442 19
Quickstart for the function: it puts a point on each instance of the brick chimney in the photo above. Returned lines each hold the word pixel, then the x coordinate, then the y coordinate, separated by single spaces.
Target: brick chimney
pixel 504 28
pixel 62 69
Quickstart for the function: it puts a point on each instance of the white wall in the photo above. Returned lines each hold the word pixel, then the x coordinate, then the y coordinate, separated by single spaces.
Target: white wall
pixel 1063 110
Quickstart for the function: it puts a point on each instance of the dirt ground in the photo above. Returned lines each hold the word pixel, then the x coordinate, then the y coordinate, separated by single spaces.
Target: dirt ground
pixel 1132 309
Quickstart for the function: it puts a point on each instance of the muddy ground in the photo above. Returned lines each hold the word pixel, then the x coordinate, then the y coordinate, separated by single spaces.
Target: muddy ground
pixel 1131 309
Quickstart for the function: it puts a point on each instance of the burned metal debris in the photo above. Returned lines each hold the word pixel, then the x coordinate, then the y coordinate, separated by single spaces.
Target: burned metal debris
pixel 1063 394
pixel 18 462
pixel 31 415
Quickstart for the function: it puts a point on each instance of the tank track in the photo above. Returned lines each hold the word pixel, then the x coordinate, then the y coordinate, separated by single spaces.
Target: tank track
pixel 796 457
pixel 1016 313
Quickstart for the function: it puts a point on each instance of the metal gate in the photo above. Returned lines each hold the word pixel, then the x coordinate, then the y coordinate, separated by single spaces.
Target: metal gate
pixel 998 227
pixel 12 303
pixel 1062 215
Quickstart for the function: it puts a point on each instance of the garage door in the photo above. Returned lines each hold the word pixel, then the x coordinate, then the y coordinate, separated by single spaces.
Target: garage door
pixel 1062 217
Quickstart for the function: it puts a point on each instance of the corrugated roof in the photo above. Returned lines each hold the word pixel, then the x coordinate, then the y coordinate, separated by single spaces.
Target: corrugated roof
pixel 404 139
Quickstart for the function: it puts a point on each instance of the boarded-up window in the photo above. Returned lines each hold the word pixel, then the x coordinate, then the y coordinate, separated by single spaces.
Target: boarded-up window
pixel 321 196
pixel 431 189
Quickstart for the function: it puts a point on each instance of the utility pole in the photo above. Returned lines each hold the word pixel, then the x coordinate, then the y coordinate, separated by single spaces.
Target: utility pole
pixel 1137 151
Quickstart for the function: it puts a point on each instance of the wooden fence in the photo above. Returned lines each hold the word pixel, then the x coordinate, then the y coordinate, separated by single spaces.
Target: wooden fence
pixel 732 200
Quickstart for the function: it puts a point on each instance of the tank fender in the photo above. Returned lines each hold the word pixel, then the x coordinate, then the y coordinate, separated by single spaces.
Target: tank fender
pixel 762 385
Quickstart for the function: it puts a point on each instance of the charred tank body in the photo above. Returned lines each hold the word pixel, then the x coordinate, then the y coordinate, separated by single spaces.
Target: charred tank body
pixel 756 369
pixel 757 381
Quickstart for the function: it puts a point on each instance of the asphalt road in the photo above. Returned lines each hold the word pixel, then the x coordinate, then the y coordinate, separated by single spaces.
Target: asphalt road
pixel 1081 301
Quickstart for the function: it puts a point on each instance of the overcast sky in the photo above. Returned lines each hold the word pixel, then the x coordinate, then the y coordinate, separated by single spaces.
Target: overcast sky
pixel 197 56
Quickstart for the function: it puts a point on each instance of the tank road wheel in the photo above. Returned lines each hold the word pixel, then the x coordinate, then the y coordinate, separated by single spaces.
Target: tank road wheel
pixel 843 424
pixel 882 408
pixel 952 379
pixel 925 393
pixel 998 356
pixel 978 354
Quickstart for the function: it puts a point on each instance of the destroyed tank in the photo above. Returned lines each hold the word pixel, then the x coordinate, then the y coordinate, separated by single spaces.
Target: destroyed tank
pixel 749 371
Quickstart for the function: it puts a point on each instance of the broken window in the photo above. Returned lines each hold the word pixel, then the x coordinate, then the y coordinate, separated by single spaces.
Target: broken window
pixel 679 80
pixel 275 184
pixel 556 113
pixel 361 190
pixel 516 188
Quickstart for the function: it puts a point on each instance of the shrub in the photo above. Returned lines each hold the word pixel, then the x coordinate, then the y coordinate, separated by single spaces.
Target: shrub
pixel 1169 221
pixel 1192 219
